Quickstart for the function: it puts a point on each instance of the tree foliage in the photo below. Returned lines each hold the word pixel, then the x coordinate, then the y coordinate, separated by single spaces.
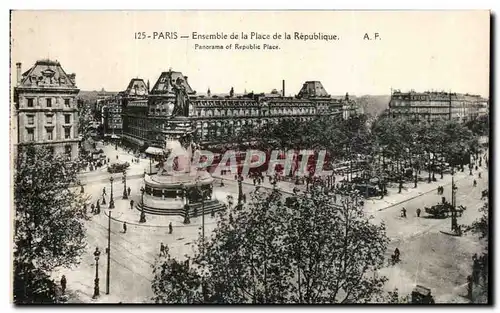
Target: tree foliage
pixel 48 227
pixel 308 250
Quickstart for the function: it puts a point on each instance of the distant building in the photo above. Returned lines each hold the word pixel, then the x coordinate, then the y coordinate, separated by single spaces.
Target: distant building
pixel 146 112
pixel 46 108
pixel 437 105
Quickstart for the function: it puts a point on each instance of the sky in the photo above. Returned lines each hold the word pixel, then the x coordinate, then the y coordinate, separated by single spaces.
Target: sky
pixel 420 50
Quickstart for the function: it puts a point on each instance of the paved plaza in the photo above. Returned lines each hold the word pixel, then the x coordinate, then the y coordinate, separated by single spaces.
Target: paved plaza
pixel 429 256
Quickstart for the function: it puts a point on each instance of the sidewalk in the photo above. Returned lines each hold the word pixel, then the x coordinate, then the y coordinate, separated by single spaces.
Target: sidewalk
pixel 408 192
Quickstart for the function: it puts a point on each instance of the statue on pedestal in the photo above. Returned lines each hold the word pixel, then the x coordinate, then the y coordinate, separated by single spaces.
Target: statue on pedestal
pixel 181 107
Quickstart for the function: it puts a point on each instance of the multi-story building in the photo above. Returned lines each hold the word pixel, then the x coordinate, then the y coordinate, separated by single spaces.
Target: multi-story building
pixel 46 108
pixel 112 116
pixel 135 113
pixel 437 105
pixel 145 116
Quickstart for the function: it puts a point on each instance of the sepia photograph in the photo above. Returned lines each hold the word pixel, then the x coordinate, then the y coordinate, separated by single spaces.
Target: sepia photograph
pixel 250 157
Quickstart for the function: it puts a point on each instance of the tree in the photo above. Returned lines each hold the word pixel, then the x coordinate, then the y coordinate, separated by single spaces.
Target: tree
pixel 48 230
pixel 303 250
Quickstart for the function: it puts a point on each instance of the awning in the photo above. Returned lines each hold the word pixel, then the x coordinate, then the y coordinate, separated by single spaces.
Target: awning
pixel 154 151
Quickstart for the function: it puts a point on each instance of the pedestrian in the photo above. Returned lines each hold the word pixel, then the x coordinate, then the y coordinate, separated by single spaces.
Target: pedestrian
pixel 63 284
pixel 128 191
pixel 162 249
pixel 108 160
pixel 469 287
pixel 396 254
pixel 418 212
pixel 82 190
pixel 170 228
pixel 92 208
pixel 476 167
pixel 117 156
pixel 131 204
pixel 403 212
pixel 104 191
pixel 479 175
pixel 124 227
pixel 474 183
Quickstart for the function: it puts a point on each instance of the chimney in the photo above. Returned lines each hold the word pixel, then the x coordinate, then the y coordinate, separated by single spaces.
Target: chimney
pixel 186 78
pixel 283 89
pixel 18 72
pixel 72 77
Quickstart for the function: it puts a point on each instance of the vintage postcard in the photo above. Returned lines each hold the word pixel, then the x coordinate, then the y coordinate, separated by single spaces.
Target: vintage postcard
pixel 229 157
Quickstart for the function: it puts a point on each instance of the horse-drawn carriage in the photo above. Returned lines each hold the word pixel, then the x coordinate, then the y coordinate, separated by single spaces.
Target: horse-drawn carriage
pixel 484 194
pixel 441 210
pixel 118 167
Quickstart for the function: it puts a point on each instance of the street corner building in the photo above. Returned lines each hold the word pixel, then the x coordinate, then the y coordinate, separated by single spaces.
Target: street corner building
pixel 434 105
pixel 46 112
pixel 147 113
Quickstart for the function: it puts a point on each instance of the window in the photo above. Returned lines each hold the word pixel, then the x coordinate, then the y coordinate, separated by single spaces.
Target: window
pixel 30 102
pixel 67 118
pixel 49 102
pixel 49 119
pixel 30 134
pixel 67 132
pixel 49 134
pixel 31 119
pixel 66 102
pixel 67 150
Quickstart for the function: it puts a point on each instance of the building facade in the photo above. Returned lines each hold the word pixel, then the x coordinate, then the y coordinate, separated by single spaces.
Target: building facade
pixel 146 114
pixel 46 108
pixel 437 105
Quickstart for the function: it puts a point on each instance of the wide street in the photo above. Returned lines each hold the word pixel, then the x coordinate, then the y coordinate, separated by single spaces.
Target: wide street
pixel 429 256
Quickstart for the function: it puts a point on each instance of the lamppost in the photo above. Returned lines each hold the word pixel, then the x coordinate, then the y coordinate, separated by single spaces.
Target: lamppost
pixel 111 202
pixel 240 189
pixel 453 200
pixel 143 216
pixel 202 192
pixel 96 280
pixel 109 253
pixel 142 195
pixel 124 179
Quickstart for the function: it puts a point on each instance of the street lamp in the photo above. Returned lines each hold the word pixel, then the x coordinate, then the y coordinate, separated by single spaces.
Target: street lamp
pixel 240 189
pixel 453 200
pixel 143 216
pixel 202 192
pixel 108 270
pixel 96 280
pixel 125 195
pixel 111 201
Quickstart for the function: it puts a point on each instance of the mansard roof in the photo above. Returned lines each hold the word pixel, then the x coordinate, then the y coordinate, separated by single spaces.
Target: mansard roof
pixel 312 89
pixel 47 74
pixel 136 87
pixel 163 84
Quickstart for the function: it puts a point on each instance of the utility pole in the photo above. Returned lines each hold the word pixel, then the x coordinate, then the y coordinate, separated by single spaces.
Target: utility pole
pixel 453 202
pixel 109 252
